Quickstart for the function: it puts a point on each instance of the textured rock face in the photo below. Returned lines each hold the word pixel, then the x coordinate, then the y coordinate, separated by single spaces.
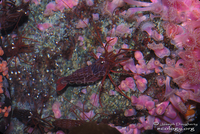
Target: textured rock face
pixel 5 97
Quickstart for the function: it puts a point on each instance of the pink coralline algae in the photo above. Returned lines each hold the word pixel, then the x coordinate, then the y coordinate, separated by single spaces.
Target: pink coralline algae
pixel 59 5
pixel 121 30
pixel 50 8
pixel 95 16
pixel 94 100
pixel 161 108
pixel 129 112
pixel 140 68
pixel 90 2
pixel 159 49
pixel 165 111
pixel 87 115
pixel 44 26
pixel 172 29
pixel 154 65
pixel 170 112
pixel 174 61
pixel 189 73
pixel 127 84
pixel 148 26
pixel 141 83
pixel 82 23
pixel 56 109
pixel 129 65
pixel 178 103
pixel 176 11
pixel 109 7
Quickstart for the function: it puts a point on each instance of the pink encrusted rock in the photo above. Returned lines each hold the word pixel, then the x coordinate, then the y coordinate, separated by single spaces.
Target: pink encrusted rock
pixel 140 125
pixel 130 83
pixel 171 62
pixel 152 112
pixel 168 90
pixel 95 16
pixel 84 91
pixel 136 131
pixel 160 108
pixel 195 96
pixel 160 80
pixel 90 2
pixel 56 109
pixel 184 94
pixel 87 115
pixel 111 92
pixel 177 73
pixel 186 40
pixel 125 130
pixel 142 119
pixel 129 65
pixel 178 103
pixel 50 7
pixel 138 3
pixel 134 99
pixel 148 125
pixel 82 23
pixel 177 121
pixel 123 86
pixel 125 46
pixel 138 56
pixel 151 66
pixel 81 39
pixel 94 100
pixel 141 101
pixel 150 105
pixel 141 69
pixel 170 112
pixel 159 49
pixel 37 2
pixel 172 29
pixel 79 104
pixel 141 83
pixel 110 6
pixel 156 8
pixel 44 26
pixel 100 50
pixel 89 63
pixel 156 36
pixel 187 85
pixel 148 26
pixel 141 19
pixel 61 4
pixel 122 30
pixel 129 112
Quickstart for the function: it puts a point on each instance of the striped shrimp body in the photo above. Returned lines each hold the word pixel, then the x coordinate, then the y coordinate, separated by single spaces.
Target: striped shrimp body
pixel 99 70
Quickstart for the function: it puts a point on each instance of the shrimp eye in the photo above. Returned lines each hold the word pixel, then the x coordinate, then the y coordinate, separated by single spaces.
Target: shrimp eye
pixel 102 62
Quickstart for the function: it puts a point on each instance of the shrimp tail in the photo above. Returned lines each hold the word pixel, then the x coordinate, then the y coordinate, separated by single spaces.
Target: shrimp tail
pixel 61 84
